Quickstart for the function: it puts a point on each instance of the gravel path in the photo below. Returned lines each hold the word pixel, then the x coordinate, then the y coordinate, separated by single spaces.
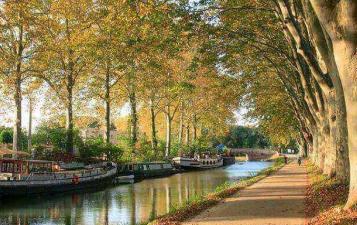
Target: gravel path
pixel 277 199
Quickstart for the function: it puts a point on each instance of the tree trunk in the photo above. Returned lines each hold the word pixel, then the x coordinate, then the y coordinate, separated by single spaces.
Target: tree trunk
pixel 188 135
pixel 69 120
pixel 16 145
pixel 168 132
pixel 153 126
pixel 69 100
pixel 107 106
pixel 18 121
pixel 342 157
pixel 133 118
pixel 29 134
pixel 343 34
pixel 335 98
pixel 180 133
pixel 194 134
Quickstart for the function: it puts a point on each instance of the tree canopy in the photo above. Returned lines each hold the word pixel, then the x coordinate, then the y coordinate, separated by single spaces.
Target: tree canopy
pixel 181 68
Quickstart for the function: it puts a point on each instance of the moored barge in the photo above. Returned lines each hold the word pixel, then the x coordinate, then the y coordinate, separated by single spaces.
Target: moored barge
pixel 146 170
pixel 197 163
pixel 28 177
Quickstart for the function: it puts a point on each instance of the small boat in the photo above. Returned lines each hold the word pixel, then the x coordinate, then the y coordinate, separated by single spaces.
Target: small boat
pixel 28 177
pixel 197 163
pixel 228 160
pixel 124 179
pixel 146 170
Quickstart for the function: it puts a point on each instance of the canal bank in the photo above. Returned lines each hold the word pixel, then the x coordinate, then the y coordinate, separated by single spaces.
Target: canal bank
pixel 123 204
pixel 198 205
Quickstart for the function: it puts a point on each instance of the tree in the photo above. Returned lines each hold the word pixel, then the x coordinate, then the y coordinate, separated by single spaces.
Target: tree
pixel 17 47
pixel 301 41
pixel 31 91
pixel 66 28
pixel 341 36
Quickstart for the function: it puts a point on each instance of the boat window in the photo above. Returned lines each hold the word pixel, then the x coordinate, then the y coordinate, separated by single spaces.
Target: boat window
pixel 168 166
pixel 131 167
pixel 3 168
pixel 24 168
pixel 204 162
pixel 10 167
pixel 145 167
pixel 156 166
pixel 165 166
pixel 16 168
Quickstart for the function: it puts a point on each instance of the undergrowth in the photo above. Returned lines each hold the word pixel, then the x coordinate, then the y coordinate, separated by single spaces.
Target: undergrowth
pixel 325 198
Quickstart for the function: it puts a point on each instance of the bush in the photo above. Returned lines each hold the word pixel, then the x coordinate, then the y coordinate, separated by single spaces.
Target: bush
pixel 52 154
pixel 199 146
pixel 145 153
pixel 6 136
pixel 54 136
pixel 96 148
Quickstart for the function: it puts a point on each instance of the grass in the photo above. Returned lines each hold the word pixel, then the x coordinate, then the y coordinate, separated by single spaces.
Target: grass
pixel 325 198
pixel 198 204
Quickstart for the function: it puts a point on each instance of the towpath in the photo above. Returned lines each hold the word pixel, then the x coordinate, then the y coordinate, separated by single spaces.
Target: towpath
pixel 275 200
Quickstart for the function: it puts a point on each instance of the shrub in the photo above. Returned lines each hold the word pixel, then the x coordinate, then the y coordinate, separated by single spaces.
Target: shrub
pixel 145 152
pixel 52 154
pixel 54 136
pixel 96 148
pixel 6 136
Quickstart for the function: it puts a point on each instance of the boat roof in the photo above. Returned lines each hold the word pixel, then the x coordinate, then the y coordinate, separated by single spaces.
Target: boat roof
pixel 12 152
pixel 31 160
pixel 157 162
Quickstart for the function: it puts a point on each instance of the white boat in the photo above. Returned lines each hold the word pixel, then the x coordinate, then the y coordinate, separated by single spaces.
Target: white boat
pixel 197 163
pixel 124 179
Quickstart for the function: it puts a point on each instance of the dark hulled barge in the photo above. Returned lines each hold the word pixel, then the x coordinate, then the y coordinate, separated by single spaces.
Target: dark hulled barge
pixel 146 170
pixel 28 177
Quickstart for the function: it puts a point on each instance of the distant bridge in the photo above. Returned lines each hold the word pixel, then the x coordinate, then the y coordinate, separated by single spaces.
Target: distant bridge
pixel 254 154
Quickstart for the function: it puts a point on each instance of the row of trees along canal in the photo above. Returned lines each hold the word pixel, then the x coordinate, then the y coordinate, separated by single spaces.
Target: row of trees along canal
pixel 292 63
pixel 297 61
pixel 83 60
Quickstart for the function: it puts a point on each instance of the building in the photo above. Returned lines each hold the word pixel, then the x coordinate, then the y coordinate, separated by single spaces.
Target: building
pixel 92 132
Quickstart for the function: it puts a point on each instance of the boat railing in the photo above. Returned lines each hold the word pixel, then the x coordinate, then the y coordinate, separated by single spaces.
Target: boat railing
pixel 49 176
pixel 29 176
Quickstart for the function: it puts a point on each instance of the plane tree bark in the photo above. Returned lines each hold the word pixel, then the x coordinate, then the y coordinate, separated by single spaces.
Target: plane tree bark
pixel 339 19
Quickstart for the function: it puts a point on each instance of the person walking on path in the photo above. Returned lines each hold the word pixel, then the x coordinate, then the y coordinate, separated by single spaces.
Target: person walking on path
pixel 299 160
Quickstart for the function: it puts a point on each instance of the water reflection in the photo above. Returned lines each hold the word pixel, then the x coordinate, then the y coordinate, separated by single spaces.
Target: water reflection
pixel 124 204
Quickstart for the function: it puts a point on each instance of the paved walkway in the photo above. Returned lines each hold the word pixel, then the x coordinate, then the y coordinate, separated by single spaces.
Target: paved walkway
pixel 277 199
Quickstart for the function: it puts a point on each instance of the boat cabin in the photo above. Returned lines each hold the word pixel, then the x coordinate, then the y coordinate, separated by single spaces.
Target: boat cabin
pixel 15 167
pixel 146 170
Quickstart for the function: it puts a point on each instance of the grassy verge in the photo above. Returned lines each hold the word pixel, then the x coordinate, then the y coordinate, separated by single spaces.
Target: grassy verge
pixel 199 204
pixel 325 198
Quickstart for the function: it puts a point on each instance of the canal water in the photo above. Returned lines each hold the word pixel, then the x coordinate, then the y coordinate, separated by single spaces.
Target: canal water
pixel 124 204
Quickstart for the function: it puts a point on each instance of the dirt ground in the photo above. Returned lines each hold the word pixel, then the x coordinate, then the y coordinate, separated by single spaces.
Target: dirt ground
pixel 277 199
